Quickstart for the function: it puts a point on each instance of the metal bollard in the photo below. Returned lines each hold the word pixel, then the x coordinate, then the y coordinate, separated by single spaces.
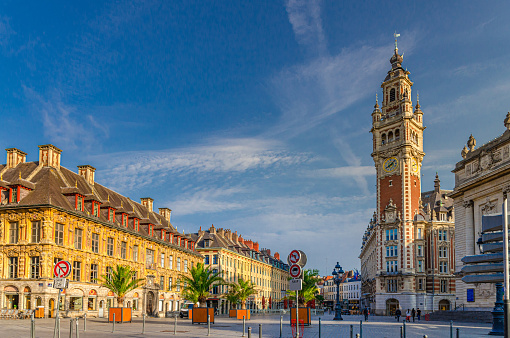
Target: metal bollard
pixel 143 324
pixel 113 327
pixel 71 328
pixel 350 335
pixel 451 328
pixel 244 327
pixel 357 335
pixel 249 332
pixel 425 336
pixel 281 326
pixel 405 329
pixel 77 328
pixel 458 335
pixel 401 332
pixel 58 326
pixel 175 325
pixel 260 330
pixel 361 329
pixel 319 327
pixel 208 324
pixel 32 326
pixel 85 322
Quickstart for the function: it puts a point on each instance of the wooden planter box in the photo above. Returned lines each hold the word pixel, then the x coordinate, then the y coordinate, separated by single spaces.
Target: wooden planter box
pixel 199 315
pixel 39 312
pixel 304 315
pixel 239 314
pixel 122 314
pixel 232 313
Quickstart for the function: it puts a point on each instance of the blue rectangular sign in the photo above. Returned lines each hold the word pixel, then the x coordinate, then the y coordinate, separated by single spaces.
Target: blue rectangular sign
pixel 470 295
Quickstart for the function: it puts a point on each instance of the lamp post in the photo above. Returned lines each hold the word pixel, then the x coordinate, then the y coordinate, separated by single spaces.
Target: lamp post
pixel 337 278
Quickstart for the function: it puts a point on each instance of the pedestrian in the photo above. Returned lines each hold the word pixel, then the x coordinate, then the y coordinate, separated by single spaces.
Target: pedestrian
pixel 418 313
pixel 413 313
pixel 365 312
pixel 408 316
pixel 398 313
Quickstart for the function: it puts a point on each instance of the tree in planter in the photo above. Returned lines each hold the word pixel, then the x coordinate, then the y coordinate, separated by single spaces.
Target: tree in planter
pixel 197 284
pixel 120 281
pixel 244 290
pixel 232 297
pixel 309 290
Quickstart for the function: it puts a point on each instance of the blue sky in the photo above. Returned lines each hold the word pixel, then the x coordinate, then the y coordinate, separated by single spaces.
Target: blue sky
pixel 252 116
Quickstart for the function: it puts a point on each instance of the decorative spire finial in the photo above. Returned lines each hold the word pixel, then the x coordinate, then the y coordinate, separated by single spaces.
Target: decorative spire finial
pixel 76 184
pixel 108 198
pixel 20 175
pixel 396 35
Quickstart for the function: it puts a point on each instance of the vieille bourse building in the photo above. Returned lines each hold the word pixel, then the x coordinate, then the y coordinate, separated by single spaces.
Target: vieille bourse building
pixel 482 177
pixel 49 213
pixel 407 251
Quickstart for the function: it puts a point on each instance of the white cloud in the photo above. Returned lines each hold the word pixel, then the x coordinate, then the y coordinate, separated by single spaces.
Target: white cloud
pixel 304 15
pixel 207 201
pixel 348 171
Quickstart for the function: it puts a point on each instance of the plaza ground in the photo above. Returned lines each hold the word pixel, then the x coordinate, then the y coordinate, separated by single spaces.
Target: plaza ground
pixel 376 326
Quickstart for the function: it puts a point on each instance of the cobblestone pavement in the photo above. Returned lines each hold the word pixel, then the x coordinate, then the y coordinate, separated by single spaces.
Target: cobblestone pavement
pixel 384 327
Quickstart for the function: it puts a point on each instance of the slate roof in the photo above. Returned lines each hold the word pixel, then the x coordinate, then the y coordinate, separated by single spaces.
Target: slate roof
pixel 436 200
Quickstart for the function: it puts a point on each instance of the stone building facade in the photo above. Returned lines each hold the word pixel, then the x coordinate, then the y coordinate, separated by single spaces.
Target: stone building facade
pixel 481 179
pixel 49 213
pixel 407 249
pixel 227 252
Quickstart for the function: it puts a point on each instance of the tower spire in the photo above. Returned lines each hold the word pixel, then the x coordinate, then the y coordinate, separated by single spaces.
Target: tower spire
pixel 396 35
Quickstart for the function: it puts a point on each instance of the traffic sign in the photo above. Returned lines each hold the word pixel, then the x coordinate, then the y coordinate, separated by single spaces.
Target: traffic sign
pixel 295 284
pixel 60 283
pixel 294 257
pixel 295 271
pixel 62 269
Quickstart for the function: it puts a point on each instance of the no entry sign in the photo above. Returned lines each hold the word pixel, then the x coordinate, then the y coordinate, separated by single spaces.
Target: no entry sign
pixel 295 271
pixel 294 256
pixel 62 269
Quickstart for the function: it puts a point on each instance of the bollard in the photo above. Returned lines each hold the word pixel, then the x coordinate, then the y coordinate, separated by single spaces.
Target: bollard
pixel 113 327
pixel 405 329
pixel 350 335
pixel 260 330
pixel 357 335
pixel 143 324
pixel 58 326
pixel 244 326
pixel 425 336
pixel 208 324
pixel 361 329
pixel 77 328
pixel 319 327
pixel 71 328
pixel 458 333
pixel 401 332
pixel 451 328
pixel 85 322
pixel 175 325
pixel 281 326
pixel 249 332
pixel 32 326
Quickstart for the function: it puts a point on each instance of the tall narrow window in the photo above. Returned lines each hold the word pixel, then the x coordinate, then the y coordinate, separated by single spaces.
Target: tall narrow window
pixel 149 260
pixel 162 260
pixel 123 249
pixel 169 283
pixel 36 232
pixel 178 263
pixel 79 203
pixel 206 259
pixel 93 273
pixel 13 233
pixel 109 246
pixel 34 267
pixel 95 243
pixel 59 233
pixel 13 267
pixel 78 238
pixel 14 195
pixel 392 94
pixel 95 209
pixel 108 272
pixel 171 262
pixel 135 253
pixel 76 271
pixel 185 265
pixel 161 282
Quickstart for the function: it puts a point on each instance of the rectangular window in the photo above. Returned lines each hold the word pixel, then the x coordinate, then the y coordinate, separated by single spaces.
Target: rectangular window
pixel 125 220
pixel 391 266
pixel 59 233
pixel 76 271
pixel 162 282
pixel 162 260
pixel 443 251
pixel 171 262
pixel 150 259
pixel 78 236
pixel 419 251
pixel 95 209
pixel 109 246
pixel 123 249
pixel 95 243
pixel 206 259
pixel 93 273
pixel 443 267
pixel 91 304
pixel 34 267
pixel 444 286
pixel 13 267
pixel 185 265
pixel 443 235
pixel 215 259
pixel 178 263
pixel 75 303
pixel 135 253
pixel 177 287
pixel 137 225
pixel 420 266
pixel 419 235
pixel 108 272
pixel 169 283
pixel 391 251
pixel 420 284
pixel 111 215
pixel 36 232
pixel 134 276
pixel 13 233
pixel 79 203
pixel 391 234
pixel 14 196
pixel 392 285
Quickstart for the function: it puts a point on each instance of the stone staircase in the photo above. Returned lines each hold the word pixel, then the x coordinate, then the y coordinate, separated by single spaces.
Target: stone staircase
pixel 462 316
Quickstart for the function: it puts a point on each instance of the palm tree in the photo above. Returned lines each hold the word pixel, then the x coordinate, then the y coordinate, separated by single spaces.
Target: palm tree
pixel 244 290
pixel 121 281
pixel 231 296
pixel 309 289
pixel 198 283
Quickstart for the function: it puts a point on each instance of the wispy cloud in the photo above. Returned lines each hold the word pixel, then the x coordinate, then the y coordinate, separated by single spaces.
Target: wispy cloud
pixel 207 201
pixel 348 171
pixel 305 17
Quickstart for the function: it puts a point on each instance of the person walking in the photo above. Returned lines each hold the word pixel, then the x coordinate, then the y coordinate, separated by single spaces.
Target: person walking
pixel 413 313
pixel 398 313
pixel 365 313
pixel 418 313
pixel 408 316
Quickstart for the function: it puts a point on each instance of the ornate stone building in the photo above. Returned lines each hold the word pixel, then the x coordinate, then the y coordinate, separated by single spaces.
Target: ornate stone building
pixel 407 251
pixel 227 252
pixel 481 179
pixel 49 213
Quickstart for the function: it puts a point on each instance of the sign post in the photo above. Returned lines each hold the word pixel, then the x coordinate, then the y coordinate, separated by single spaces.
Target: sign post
pixel 61 270
pixel 296 260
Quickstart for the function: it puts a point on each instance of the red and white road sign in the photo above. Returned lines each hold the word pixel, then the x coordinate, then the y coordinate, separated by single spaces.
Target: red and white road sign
pixel 295 271
pixel 62 269
pixel 294 256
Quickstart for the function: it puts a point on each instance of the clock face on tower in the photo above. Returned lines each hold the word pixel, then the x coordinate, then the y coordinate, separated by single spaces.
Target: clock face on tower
pixel 390 165
pixel 414 165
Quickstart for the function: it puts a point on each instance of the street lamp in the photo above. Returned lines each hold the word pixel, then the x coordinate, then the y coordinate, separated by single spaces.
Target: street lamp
pixel 337 278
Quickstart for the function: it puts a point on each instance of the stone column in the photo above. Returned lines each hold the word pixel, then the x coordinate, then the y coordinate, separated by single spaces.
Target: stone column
pixel 470 228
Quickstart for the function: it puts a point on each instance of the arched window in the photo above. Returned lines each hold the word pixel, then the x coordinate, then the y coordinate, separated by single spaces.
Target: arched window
pixel 383 137
pixel 397 134
pixel 390 137
pixel 392 94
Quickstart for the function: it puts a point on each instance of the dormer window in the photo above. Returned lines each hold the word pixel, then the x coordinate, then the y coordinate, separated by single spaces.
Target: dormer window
pixel 14 198
pixel 136 224
pixel 95 209
pixel 79 202
pixel 207 243
pixel 111 215
pixel 151 229
pixel 125 220
pixel 162 234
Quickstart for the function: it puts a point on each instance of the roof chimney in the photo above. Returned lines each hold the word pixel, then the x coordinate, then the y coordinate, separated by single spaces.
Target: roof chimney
pixel 49 156
pixel 15 157
pixel 87 171
pixel 147 202
pixel 277 255
pixel 165 212
pixel 256 246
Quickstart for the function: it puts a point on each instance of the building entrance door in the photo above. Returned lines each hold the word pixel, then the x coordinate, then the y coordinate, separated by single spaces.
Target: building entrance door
pixel 52 307
pixel 150 303
pixel 444 305
pixel 101 309
pixel 391 306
